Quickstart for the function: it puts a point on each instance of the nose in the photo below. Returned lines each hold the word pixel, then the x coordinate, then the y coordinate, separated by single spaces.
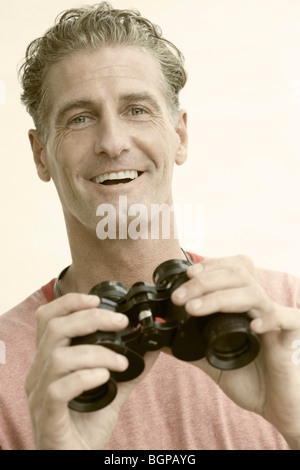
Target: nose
pixel 113 137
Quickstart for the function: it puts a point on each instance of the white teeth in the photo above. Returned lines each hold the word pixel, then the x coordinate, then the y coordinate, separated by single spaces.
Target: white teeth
pixel 118 175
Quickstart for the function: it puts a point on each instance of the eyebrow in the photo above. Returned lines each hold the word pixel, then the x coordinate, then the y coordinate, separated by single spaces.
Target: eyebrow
pixel 70 106
pixel 128 97
pixel 143 96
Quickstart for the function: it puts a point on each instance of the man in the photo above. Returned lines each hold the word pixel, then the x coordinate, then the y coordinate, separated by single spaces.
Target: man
pixel 102 87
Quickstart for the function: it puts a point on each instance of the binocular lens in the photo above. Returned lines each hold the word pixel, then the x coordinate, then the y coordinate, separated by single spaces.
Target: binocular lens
pixel 233 344
pixel 96 398
pixel 230 343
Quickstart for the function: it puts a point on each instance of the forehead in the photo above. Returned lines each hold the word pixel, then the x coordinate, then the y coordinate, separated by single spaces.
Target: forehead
pixel 106 70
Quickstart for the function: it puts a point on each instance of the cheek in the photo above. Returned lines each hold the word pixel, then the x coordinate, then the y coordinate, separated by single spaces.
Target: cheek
pixel 60 168
pixel 69 153
pixel 163 143
pixel 65 140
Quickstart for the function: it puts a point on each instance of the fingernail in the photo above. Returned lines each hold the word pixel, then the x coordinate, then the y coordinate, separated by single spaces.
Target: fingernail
pixel 93 299
pixel 120 318
pixel 257 325
pixel 195 305
pixel 196 268
pixel 180 293
pixel 122 360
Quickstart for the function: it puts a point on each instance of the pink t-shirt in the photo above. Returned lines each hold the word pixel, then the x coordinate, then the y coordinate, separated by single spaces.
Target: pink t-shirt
pixel 176 406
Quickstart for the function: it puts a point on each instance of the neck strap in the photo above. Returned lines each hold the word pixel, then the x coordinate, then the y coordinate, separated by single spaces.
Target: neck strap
pixel 56 290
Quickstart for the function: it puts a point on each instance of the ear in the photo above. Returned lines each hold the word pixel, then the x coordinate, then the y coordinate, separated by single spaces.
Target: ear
pixel 181 130
pixel 39 154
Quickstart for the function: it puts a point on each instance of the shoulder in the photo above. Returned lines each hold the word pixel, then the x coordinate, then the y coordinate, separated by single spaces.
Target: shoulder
pixel 17 347
pixel 17 326
pixel 22 316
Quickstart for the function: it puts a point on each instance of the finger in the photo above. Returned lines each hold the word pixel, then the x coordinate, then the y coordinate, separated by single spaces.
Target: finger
pixel 212 264
pixel 60 330
pixel 246 299
pixel 85 356
pixel 62 306
pixel 279 318
pixel 65 389
pixel 52 424
pixel 65 360
pixel 203 282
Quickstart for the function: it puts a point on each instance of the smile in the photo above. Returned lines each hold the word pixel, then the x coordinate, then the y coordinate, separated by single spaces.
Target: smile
pixel 117 177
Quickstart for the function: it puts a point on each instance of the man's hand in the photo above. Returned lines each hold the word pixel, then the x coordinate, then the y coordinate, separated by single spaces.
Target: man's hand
pixel 60 373
pixel 270 385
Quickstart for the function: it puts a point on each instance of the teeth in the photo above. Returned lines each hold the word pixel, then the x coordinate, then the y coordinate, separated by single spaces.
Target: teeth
pixel 118 175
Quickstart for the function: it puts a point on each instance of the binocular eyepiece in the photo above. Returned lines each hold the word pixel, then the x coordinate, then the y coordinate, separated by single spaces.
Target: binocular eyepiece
pixel 226 340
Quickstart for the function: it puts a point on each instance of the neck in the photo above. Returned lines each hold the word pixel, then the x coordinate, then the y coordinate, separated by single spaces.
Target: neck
pixel 127 261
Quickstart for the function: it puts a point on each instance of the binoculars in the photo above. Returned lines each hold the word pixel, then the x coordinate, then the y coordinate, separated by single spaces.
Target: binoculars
pixel 226 340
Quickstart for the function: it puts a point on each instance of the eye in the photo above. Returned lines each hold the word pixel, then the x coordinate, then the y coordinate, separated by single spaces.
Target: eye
pixel 137 111
pixel 79 120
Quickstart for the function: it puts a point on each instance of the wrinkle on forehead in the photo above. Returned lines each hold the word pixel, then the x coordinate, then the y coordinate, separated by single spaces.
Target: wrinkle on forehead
pixel 74 74
pixel 138 62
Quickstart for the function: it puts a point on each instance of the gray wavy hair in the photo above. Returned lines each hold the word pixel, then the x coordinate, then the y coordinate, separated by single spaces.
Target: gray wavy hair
pixel 88 28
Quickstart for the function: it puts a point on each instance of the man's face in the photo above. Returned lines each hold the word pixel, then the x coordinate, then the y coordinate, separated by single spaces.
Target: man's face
pixel 110 132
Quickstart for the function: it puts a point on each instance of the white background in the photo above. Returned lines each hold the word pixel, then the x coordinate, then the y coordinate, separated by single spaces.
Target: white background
pixel 243 99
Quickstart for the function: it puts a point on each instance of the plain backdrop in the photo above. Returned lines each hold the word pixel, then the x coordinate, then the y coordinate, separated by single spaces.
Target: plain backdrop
pixel 243 100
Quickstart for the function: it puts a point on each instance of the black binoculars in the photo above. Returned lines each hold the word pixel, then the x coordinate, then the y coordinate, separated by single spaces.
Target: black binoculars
pixel 226 340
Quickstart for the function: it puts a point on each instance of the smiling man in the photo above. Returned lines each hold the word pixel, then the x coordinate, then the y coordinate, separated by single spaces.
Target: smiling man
pixel 111 133
pixel 103 88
